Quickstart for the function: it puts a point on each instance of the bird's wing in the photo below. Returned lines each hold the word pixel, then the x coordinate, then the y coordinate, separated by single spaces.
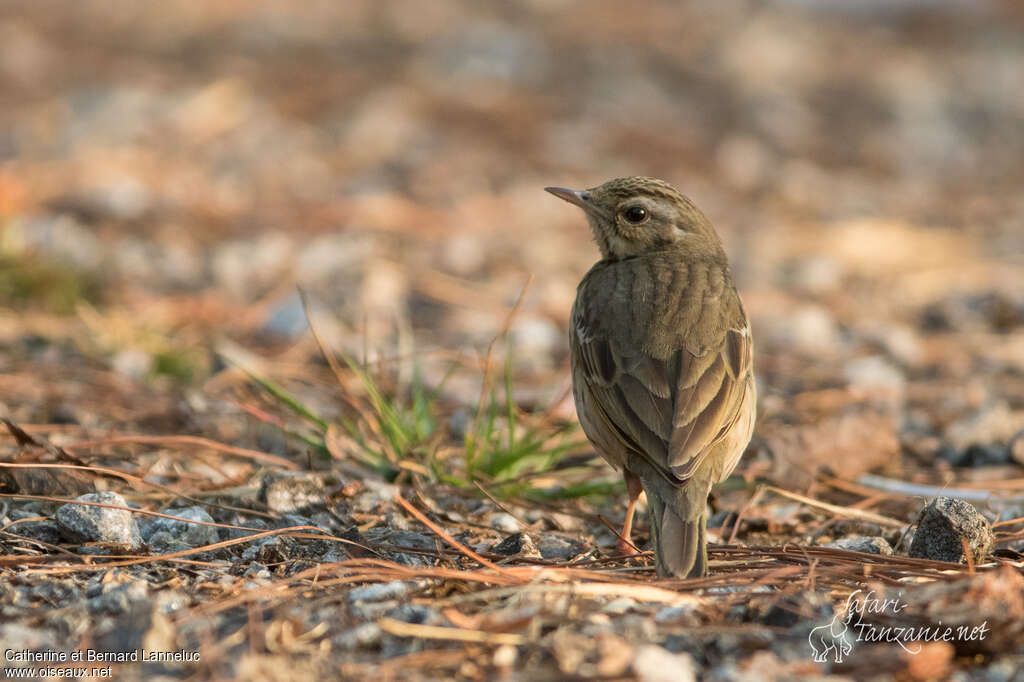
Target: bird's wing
pixel 620 413
pixel 709 399
pixel 672 411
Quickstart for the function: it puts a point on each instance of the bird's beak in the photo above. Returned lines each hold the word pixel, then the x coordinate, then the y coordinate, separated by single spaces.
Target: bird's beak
pixel 579 197
pixel 573 196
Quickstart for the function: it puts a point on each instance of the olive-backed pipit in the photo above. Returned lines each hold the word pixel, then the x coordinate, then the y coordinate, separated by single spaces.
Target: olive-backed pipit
pixel 661 358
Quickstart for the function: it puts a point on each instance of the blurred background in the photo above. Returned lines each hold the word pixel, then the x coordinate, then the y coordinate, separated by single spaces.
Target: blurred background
pixel 169 172
pixel 173 174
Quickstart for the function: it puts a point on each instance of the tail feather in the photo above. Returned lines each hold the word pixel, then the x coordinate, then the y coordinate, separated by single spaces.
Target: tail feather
pixel 679 544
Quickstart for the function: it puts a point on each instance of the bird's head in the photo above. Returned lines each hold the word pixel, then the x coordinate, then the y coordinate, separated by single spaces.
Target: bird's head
pixel 638 215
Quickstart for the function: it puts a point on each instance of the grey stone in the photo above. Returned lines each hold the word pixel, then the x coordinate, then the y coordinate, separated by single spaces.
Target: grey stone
pixel 265 547
pixel 873 371
pixel 361 636
pixel 116 598
pixel 505 522
pixel 556 548
pixel 942 527
pixel 994 422
pixel 235 533
pixel 397 520
pixel 975 455
pixel 400 538
pixel 293 521
pixel 44 531
pixel 517 544
pixel 132 362
pixel 417 614
pixel 100 524
pixel 619 606
pixel 170 601
pixel 412 560
pixel 191 534
pixel 395 589
pixel 675 614
pixel 287 318
pixel 56 593
pixel 327 522
pixel 652 663
pixel 167 543
pixel 567 523
pixel 869 545
pixel 257 570
pixel 289 491
pixel 374 494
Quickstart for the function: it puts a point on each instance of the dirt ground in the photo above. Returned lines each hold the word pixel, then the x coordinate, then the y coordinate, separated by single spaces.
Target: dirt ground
pixel 189 190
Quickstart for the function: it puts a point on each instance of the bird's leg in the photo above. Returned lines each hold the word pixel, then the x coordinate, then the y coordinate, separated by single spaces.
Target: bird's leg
pixel 634 487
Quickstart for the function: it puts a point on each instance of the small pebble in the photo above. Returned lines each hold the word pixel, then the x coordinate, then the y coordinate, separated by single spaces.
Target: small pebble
pixel 191 534
pixel 396 589
pixel 652 663
pixel 100 524
pixel 505 523
pixel 869 545
pixel 365 635
pixel 674 614
pixel 286 492
pixel 517 544
pixel 557 549
pixel 505 656
pixel 619 606
pixel 943 526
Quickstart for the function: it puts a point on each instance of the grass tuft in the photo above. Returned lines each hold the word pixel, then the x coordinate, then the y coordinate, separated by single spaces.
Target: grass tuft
pixel 30 281
pixel 503 448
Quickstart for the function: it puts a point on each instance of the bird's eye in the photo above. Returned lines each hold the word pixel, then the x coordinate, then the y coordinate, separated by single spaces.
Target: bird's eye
pixel 635 214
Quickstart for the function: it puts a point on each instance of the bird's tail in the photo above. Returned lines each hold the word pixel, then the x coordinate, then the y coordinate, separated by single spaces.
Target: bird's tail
pixel 679 545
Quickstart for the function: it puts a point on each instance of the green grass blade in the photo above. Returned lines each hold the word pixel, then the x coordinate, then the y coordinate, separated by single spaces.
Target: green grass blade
pixel 287 399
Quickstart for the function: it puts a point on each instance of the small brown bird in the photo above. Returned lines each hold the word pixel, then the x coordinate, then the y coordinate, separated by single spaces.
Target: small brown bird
pixel 661 359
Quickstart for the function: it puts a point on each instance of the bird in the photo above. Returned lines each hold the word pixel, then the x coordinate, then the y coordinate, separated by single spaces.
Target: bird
pixel 661 355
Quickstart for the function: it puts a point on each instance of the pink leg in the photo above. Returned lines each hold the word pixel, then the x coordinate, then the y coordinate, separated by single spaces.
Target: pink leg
pixel 633 485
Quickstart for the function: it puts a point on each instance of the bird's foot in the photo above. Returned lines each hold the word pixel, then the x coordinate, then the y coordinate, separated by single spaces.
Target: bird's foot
pixel 626 549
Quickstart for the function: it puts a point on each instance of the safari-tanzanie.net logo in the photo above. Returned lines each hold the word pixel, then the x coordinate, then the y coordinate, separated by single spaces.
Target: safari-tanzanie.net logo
pixel 835 641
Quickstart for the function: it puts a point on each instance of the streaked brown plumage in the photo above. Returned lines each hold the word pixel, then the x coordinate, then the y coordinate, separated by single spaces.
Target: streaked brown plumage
pixel 661 358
